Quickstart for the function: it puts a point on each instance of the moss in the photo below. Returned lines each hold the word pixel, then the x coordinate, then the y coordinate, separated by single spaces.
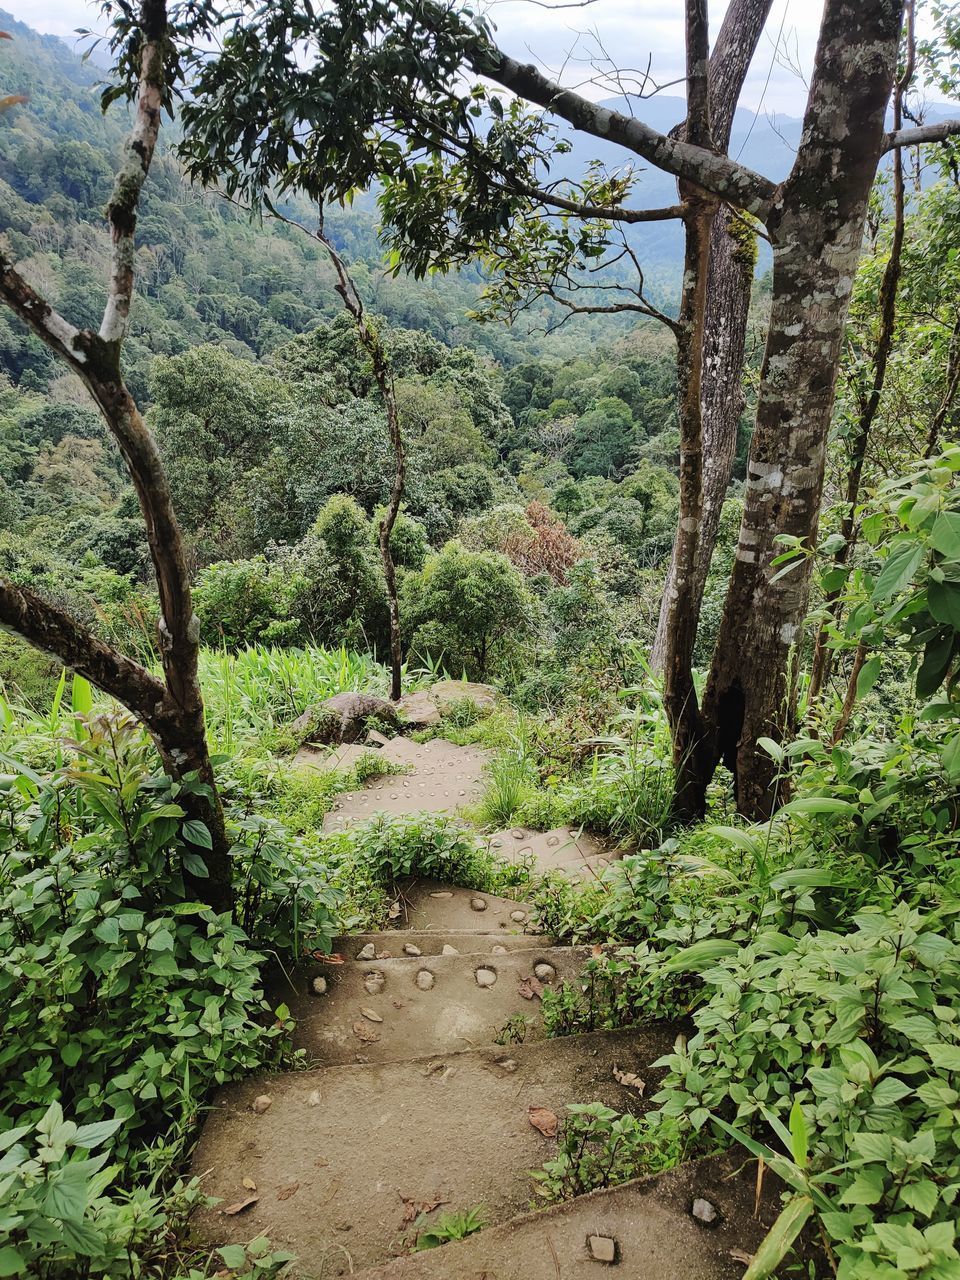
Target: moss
pixel 742 231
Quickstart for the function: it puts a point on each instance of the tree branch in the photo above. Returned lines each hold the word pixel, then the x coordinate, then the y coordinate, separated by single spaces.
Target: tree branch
pixel 54 630
pixel 938 132
pixel 717 174
pixel 138 154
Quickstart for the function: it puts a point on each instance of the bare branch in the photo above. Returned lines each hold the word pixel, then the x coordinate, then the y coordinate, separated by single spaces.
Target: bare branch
pixel 939 132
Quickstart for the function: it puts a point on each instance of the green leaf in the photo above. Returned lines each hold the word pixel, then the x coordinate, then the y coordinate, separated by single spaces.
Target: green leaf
pixel 94 1135
pixel 71 1053
pixel 898 569
pixel 815 806
pixel 234 1256
pixel 944 1056
pixel 778 1240
pixel 12 1261
pixel 922 1196
pixel 945 535
pixel 943 599
pixel 701 955
pixel 108 931
pixel 869 674
pixel 866 1187
pixel 798 1133
pixel 936 662
pixel 197 833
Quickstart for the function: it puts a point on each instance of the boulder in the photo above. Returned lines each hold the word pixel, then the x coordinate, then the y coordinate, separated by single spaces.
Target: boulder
pixel 418 710
pixel 424 710
pixel 342 718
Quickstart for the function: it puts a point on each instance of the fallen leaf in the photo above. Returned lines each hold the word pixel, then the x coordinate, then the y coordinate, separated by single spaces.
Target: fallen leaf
pixel 629 1079
pixel 286 1192
pixel 365 1033
pixel 240 1206
pixel 394 911
pixel 740 1255
pixel 334 958
pixel 530 988
pixel 262 1103
pixel 250 1184
pixel 413 1208
pixel 597 949
pixel 544 1121
pixel 383 955
pixel 371 1015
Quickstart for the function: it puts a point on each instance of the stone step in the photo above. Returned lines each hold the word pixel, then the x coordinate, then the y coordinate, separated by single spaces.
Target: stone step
pixel 646 1225
pixel 408 942
pixel 428 905
pixel 572 851
pixel 340 1154
pixel 388 1010
pixel 444 779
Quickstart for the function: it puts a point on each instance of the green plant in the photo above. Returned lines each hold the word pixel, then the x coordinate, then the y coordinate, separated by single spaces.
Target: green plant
pixel 600 1147
pixel 451 1226
pixel 513 1031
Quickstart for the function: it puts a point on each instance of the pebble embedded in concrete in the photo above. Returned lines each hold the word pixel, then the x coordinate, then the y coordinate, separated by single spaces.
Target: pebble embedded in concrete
pixel 518 834
pixel 498 951
pixel 478 904
pixel 602 1248
pixel 368 952
pixel 486 977
pixel 425 979
pixel 519 916
pixel 448 950
pixel 410 950
pixel 545 972
pixel 374 982
pixel 704 1211
pixel 552 841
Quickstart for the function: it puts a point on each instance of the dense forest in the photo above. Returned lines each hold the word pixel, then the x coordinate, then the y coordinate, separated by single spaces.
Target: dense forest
pixel 331 368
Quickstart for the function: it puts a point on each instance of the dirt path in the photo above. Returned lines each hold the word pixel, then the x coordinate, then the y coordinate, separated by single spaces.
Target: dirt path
pixel 433 1089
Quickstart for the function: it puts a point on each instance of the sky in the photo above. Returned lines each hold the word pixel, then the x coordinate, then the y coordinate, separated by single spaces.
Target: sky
pixel 547 31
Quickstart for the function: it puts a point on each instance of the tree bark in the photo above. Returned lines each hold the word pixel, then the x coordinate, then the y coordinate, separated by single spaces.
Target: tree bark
pixel 730 277
pixel 816 227
pixel 172 711
pixel 383 375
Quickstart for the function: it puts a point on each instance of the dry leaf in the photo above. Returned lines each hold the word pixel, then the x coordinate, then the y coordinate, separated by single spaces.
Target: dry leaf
pixel 371 1015
pixel 597 949
pixel 544 1121
pixel 334 958
pixel 240 1206
pixel 262 1103
pixel 740 1255
pixel 394 911
pixel 250 1184
pixel 286 1192
pixel 629 1079
pixel 365 1033
pixel 384 955
pixel 413 1208
pixel 529 988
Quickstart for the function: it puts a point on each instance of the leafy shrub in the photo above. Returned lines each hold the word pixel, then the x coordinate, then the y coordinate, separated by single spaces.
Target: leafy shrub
pixel 599 1147
pixel 856 1038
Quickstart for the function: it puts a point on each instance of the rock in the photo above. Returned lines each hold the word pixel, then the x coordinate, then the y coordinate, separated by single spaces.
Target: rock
pixel 418 711
pixel 410 950
pixel 704 1211
pixel 602 1248
pixel 545 972
pixel 425 979
pixel 262 1103
pixel 376 739
pixel 518 834
pixel 478 904
pixel 374 983
pixel 486 977
pixel 498 951
pixel 313 1098
pixel 368 952
pixel 342 718
pixel 441 895
pixel 519 917
pixel 319 986
pixel 448 950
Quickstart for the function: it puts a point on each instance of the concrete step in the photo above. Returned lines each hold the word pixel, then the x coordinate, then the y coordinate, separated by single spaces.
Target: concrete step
pixel 647 1225
pixel 572 851
pixel 429 905
pixel 404 1007
pixel 401 942
pixel 340 1154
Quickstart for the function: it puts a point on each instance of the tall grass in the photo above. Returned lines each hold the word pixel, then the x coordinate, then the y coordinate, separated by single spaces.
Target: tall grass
pixel 252 694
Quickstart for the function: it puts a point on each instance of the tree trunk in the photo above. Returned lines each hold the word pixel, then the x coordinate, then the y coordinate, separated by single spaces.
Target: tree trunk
pixel 816 227
pixel 383 375
pixel 172 711
pixel 732 259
